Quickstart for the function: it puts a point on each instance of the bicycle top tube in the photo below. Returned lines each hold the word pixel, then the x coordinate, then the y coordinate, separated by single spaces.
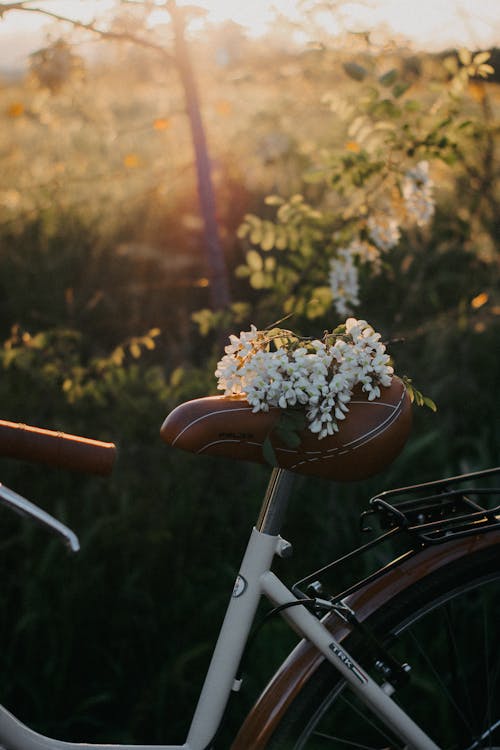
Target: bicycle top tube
pixel 369 438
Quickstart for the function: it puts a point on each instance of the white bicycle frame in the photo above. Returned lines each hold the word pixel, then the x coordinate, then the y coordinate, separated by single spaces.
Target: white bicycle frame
pixel 254 580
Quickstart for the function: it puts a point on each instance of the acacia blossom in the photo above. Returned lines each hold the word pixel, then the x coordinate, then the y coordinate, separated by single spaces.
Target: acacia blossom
pixel 417 189
pixel 317 375
pixel 344 283
pixel 344 274
pixel 384 231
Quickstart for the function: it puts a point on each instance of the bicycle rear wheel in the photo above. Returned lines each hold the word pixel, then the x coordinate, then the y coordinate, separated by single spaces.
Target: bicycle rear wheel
pixel 446 627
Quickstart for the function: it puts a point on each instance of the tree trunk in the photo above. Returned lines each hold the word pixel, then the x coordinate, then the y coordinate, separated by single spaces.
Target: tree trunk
pixel 219 284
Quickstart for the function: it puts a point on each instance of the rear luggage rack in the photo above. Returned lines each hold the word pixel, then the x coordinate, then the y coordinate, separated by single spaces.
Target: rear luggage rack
pixel 416 517
pixel 449 511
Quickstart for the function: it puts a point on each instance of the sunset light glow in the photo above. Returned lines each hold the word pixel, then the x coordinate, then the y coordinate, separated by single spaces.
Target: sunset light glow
pixel 428 24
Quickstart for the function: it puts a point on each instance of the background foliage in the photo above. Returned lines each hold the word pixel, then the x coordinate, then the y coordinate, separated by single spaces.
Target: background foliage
pixel 105 328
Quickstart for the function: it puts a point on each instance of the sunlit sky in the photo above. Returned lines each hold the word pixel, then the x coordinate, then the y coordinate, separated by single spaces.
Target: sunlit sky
pixel 431 24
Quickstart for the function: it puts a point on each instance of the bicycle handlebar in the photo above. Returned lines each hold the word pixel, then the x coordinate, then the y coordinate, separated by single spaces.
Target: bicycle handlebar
pixel 56 448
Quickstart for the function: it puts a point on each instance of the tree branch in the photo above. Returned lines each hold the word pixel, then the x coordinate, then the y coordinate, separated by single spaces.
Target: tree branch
pixel 4 7
pixel 118 36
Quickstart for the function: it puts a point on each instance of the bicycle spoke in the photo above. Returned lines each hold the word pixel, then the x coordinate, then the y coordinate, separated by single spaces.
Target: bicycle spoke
pixel 439 680
pixel 491 680
pixel 470 668
pixel 488 717
pixel 457 670
pixel 343 741
pixel 484 736
pixel 366 720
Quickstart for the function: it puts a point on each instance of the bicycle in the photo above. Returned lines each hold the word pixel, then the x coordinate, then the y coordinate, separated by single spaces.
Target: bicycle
pixel 360 651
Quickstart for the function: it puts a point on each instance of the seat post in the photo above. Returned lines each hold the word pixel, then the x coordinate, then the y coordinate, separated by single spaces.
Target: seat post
pixel 275 502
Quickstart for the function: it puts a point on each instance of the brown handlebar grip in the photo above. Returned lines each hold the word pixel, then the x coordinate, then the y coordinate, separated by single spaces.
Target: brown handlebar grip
pixel 56 448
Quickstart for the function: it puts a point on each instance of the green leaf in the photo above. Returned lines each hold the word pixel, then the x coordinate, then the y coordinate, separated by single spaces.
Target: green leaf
pixel 281 241
pixel 305 247
pixel 295 417
pixel 450 64
pixel 176 377
pixel 273 200
pixel 242 231
pixel 430 403
pixel 254 260
pixel 260 280
pixel 355 71
pixel 268 452
pixel 284 213
pixel 314 175
pixel 449 158
pixel 268 238
pixel 240 311
pixel 290 438
pixel 386 108
pixel 400 89
pixel 464 56
pixel 485 70
pixel 294 238
pixel 412 105
pixel 256 234
pixel 117 356
pixel 320 302
pixel 481 58
pixel 241 272
pixel 289 425
pixel 416 396
pixel 387 79
pixel 205 319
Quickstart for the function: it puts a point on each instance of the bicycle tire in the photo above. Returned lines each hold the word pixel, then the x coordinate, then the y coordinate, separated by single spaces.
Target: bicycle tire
pixel 457 719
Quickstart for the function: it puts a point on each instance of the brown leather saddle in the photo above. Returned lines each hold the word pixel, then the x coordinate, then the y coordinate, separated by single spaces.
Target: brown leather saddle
pixel 369 439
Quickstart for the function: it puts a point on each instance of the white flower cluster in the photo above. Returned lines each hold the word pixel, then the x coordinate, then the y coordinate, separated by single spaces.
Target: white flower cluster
pixel 384 231
pixel 366 252
pixel 344 275
pixel 417 193
pixel 344 283
pixel 316 375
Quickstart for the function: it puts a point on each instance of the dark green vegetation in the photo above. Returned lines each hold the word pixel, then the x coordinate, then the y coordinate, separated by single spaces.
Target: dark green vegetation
pixel 95 317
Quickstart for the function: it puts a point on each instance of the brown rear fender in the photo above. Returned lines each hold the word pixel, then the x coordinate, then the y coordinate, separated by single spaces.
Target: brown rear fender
pixel 304 660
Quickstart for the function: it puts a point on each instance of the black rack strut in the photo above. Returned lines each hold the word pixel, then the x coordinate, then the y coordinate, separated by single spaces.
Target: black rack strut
pixel 448 512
